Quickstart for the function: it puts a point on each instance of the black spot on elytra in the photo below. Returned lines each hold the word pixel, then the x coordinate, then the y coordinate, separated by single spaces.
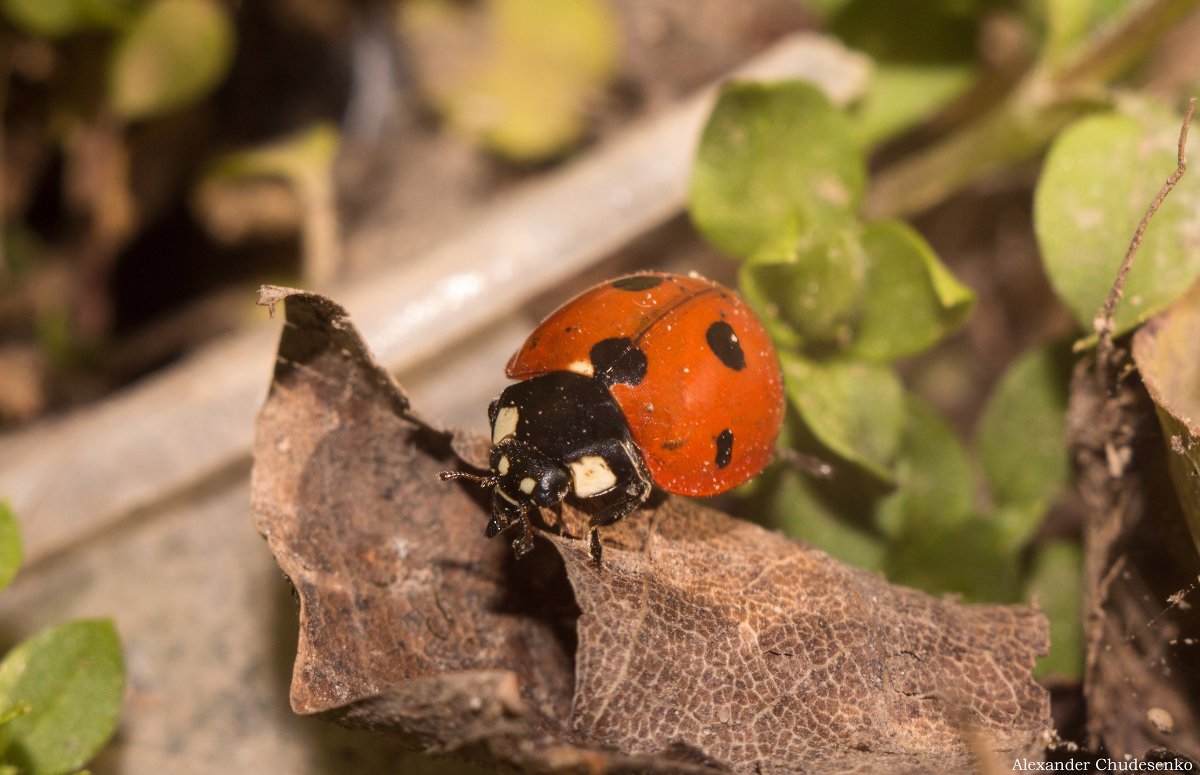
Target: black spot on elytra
pixel 638 282
pixel 724 448
pixel 724 344
pixel 617 361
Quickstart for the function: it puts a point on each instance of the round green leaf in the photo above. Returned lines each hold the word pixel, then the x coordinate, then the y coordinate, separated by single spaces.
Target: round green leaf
pixel 911 300
pixel 855 408
pixel 968 557
pixel 813 287
pixel 10 545
pixel 794 507
pixel 933 477
pixel 901 95
pixel 1056 583
pixel 775 161
pixel 173 53
pixel 1099 177
pixel 512 75
pixel 1022 439
pixel 72 676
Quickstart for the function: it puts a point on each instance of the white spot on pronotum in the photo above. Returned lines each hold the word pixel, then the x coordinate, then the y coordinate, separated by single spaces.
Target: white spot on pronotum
pixel 581 367
pixel 527 485
pixel 505 425
pixel 592 476
pixel 502 465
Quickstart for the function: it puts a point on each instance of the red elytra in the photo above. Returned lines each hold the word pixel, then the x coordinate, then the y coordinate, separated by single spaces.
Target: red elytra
pixel 710 405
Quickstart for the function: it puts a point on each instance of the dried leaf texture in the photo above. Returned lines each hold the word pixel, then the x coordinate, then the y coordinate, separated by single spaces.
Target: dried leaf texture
pixel 703 643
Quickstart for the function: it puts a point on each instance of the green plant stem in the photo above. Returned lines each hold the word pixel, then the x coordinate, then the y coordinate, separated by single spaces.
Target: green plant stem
pixel 1045 101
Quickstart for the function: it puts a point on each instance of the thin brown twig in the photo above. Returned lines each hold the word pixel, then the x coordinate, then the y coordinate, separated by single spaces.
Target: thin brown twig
pixel 1103 322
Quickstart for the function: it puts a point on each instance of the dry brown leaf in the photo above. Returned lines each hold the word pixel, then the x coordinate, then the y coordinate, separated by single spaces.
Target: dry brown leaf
pixel 704 643
pixel 1164 351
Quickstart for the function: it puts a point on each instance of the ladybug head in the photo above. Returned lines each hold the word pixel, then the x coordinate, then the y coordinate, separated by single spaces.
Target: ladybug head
pixel 526 477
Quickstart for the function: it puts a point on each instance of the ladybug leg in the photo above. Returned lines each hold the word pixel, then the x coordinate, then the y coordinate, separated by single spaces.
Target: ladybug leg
pixel 523 545
pixel 637 489
pixel 605 518
pixel 505 514
pixel 496 526
pixel 501 522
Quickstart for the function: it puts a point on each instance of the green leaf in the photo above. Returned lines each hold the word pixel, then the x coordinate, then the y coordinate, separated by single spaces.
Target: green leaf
pixel 911 300
pixel 514 75
pixel 18 709
pixel 58 18
pixel 1099 177
pixel 174 53
pixel 794 506
pixel 297 158
pixel 776 161
pixel 813 287
pixel 969 557
pixel 1065 23
pixel 854 408
pixel 72 676
pixel 1022 439
pixel 1056 583
pixel 929 31
pixel 901 95
pixel 10 545
pixel 933 476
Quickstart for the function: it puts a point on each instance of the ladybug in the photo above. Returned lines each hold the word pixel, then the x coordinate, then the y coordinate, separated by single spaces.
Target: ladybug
pixel 649 379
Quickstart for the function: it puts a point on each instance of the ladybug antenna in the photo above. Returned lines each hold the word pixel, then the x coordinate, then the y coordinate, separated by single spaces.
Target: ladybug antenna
pixel 813 466
pixel 482 481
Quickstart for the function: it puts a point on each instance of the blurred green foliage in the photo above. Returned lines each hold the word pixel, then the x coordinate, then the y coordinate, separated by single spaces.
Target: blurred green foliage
pixel 60 690
pixel 172 53
pixel 512 76
pixel 162 54
pixel 1100 175
pixel 780 185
